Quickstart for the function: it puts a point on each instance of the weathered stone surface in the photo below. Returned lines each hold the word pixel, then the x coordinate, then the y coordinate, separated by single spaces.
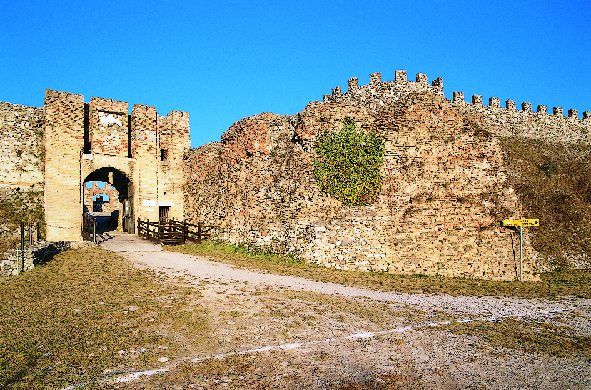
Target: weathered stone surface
pixel 445 184
pixel 21 145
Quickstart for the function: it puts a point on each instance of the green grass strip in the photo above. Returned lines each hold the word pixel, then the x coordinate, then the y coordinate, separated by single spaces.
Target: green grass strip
pixel 553 285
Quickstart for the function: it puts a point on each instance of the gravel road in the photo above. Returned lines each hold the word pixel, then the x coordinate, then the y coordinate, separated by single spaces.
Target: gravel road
pixel 334 336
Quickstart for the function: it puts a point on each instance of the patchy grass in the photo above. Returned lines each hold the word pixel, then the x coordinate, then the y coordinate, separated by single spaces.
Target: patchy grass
pixel 528 335
pixel 552 285
pixel 86 314
pixel 378 313
pixel 233 371
pixel 262 371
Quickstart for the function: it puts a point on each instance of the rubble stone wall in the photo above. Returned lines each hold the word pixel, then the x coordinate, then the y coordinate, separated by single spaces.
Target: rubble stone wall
pixel 444 193
pixel 21 142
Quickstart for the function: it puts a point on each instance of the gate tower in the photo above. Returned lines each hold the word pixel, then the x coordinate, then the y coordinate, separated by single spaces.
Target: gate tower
pixel 140 154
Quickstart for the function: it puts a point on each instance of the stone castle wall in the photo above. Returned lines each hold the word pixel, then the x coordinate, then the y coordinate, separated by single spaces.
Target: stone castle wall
pixel 21 142
pixel 100 141
pixel 445 184
pixel 174 142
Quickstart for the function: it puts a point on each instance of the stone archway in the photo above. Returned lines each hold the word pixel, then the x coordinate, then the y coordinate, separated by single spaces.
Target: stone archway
pixel 118 214
pixel 101 138
pixel 101 195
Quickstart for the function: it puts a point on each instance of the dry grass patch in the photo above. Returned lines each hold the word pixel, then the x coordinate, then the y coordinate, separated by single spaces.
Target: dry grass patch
pixel 552 181
pixel 528 335
pixel 265 371
pixel 235 372
pixel 88 313
pixel 377 313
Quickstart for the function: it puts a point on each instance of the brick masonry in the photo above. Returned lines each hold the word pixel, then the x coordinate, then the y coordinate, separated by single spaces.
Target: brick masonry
pixel 100 141
pixel 109 190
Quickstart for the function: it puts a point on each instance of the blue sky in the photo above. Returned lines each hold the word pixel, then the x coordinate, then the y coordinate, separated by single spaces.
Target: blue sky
pixel 225 60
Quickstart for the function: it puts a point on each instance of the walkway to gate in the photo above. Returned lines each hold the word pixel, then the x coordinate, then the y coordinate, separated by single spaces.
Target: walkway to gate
pixel 124 242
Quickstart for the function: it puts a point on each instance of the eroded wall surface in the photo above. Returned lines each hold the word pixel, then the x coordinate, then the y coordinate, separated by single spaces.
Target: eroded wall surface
pixel 21 143
pixel 445 184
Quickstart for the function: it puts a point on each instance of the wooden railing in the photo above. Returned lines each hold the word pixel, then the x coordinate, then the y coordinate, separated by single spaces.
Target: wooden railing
pixel 173 232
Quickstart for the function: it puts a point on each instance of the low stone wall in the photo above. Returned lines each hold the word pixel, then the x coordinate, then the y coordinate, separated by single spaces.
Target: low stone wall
pixel 38 253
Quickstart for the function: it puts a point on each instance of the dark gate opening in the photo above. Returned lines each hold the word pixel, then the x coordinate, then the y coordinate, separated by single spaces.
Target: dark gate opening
pixel 163 213
pixel 117 211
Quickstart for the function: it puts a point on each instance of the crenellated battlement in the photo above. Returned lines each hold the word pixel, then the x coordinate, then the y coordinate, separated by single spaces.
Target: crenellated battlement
pixel 504 121
pixel 421 84
pixel 399 86
pixel 400 78
pixel 494 102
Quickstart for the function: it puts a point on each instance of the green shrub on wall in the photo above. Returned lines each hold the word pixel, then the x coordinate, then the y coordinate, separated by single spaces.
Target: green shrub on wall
pixel 348 164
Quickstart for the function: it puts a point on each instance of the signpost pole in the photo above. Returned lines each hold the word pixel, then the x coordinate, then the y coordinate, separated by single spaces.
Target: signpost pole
pixel 521 223
pixel 21 261
pixel 520 253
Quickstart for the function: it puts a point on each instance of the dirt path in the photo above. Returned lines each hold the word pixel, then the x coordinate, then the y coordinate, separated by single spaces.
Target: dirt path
pixel 292 332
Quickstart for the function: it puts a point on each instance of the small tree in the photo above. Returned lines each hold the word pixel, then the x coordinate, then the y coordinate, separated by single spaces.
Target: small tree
pixel 348 164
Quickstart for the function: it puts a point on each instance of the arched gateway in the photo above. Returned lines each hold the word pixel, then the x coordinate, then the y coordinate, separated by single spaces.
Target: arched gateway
pixel 85 141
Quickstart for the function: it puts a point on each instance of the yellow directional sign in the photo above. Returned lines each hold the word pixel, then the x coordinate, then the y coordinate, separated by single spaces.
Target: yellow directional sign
pixel 521 222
